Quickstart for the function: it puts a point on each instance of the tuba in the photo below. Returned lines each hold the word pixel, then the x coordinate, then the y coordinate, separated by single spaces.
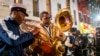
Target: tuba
pixel 64 19
pixel 64 22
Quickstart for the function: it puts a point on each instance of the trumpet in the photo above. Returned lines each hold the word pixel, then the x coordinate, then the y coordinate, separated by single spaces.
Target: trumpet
pixel 28 25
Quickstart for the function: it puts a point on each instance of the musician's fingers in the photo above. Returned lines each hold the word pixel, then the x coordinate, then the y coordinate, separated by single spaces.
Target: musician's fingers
pixel 35 31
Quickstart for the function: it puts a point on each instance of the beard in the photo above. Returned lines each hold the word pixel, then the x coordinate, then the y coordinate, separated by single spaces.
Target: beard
pixel 46 23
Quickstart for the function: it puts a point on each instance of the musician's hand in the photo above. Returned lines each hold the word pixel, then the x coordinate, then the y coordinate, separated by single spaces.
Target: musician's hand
pixel 35 31
pixel 60 37
pixel 74 46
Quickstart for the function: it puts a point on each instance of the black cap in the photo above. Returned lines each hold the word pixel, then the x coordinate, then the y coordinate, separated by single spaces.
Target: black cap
pixel 73 29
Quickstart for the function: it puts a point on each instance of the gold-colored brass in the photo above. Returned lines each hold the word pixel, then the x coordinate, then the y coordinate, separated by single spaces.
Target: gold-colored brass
pixel 48 42
pixel 64 19
pixel 28 25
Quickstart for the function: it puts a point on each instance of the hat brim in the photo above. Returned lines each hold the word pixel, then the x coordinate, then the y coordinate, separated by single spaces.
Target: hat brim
pixel 25 14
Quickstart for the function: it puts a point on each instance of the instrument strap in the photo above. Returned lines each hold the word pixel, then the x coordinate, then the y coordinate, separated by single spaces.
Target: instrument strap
pixel 49 32
pixel 45 35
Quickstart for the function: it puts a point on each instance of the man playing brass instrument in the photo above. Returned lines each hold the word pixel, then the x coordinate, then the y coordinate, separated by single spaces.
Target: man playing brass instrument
pixel 48 41
pixel 12 40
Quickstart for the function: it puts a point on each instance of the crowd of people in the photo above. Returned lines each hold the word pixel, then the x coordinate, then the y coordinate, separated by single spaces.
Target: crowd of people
pixel 46 39
pixel 78 44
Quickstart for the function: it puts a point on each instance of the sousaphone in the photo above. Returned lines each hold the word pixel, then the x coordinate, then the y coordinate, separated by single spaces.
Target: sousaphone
pixel 64 19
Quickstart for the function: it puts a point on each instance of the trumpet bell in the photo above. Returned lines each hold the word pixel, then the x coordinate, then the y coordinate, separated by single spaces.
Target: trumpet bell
pixel 28 25
pixel 64 19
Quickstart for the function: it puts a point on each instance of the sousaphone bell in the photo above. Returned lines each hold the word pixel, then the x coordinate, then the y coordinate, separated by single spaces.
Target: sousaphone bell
pixel 64 19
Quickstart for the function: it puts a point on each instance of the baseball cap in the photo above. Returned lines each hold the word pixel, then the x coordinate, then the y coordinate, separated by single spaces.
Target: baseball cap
pixel 18 7
pixel 73 29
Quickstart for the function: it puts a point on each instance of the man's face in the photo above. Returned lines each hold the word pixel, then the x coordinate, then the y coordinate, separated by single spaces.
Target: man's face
pixel 18 16
pixel 74 33
pixel 46 19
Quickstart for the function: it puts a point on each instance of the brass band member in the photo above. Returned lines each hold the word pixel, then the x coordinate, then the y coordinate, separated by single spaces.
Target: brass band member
pixel 48 42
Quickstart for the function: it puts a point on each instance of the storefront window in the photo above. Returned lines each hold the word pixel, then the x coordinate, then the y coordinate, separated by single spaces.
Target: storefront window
pixel 75 17
pixel 73 1
pixel 59 6
pixel 35 8
pixel 80 17
pixel 17 1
